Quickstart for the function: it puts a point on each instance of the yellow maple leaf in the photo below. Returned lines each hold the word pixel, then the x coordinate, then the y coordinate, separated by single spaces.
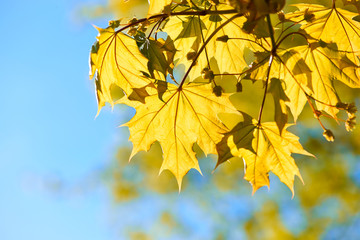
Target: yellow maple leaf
pixel 190 32
pixel 263 149
pixel 326 65
pixel 331 25
pixel 116 60
pixel 186 116
pixel 288 67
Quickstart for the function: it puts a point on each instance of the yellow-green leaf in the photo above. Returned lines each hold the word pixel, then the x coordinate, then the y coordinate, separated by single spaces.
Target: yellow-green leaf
pixel 160 54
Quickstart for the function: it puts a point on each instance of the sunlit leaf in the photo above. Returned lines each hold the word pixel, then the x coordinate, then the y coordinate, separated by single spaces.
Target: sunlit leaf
pixel 331 25
pixel 118 61
pixel 184 117
pixel 326 65
pixel 263 149
pixel 288 67
pixel 279 96
pixel 190 32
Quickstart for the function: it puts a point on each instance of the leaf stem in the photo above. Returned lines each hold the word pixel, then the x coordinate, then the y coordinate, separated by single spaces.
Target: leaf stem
pixel 273 54
pixel 271 32
pixel 266 87
pixel 315 112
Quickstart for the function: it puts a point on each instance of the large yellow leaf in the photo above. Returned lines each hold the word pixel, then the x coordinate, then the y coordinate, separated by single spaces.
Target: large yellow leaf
pixel 326 65
pixel 331 25
pixel 289 68
pixel 184 117
pixel 116 60
pixel 190 32
pixel 263 149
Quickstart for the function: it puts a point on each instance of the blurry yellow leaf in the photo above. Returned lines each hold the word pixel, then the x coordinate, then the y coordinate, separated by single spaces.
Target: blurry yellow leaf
pixel 156 6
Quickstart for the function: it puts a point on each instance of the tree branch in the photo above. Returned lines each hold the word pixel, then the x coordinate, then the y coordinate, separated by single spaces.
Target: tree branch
pixel 187 13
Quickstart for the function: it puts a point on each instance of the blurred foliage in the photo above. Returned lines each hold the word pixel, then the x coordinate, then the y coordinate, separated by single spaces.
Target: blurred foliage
pixel 116 8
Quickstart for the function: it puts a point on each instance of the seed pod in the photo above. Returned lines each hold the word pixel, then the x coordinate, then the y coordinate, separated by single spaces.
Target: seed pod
pixel 276 5
pixel 281 16
pixel 317 113
pixel 239 87
pixel 191 55
pixel 341 105
pixel 132 21
pixel 207 74
pixel 309 17
pixel 350 124
pixel 351 108
pixel 223 38
pixel 217 90
pixel 329 136
pixel 114 23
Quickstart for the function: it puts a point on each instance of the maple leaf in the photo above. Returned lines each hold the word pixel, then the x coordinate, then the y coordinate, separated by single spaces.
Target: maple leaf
pixel 184 117
pixel 263 149
pixel 190 32
pixel 322 66
pixel 116 60
pixel 160 54
pixel 280 99
pixel 331 25
pixel 287 66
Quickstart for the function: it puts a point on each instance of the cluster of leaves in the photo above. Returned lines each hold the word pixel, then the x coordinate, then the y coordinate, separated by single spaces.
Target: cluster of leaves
pixel 183 69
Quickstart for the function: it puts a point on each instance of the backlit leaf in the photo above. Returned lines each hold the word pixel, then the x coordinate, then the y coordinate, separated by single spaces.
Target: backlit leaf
pixel 263 149
pixel 331 25
pixel 117 61
pixel 184 117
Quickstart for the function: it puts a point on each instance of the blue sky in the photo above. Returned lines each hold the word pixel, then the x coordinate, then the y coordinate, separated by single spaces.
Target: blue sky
pixel 47 123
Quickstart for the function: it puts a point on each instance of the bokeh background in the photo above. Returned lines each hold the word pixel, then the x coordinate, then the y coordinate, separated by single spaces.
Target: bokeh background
pixel 65 174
